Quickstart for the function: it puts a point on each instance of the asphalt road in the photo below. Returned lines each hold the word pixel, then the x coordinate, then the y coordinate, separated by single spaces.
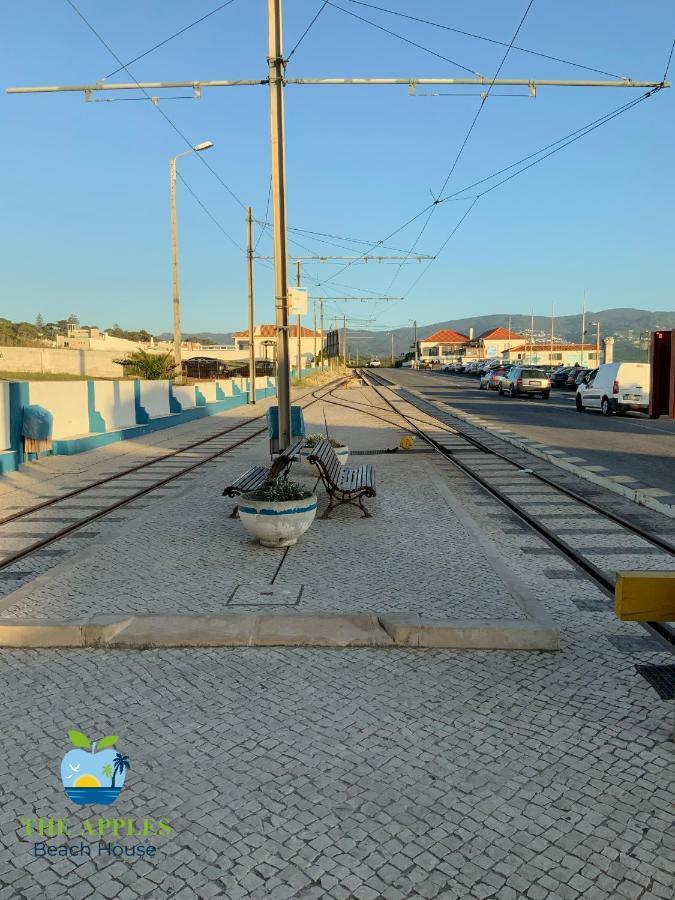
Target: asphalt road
pixel 632 445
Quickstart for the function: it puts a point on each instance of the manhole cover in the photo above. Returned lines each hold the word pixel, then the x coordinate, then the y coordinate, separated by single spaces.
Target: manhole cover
pixel 266 595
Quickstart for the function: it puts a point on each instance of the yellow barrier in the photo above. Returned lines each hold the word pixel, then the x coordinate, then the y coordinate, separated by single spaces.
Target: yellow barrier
pixel 645 596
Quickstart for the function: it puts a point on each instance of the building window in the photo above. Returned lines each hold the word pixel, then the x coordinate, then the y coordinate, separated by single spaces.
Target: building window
pixel 432 351
pixel 556 356
pixel 592 355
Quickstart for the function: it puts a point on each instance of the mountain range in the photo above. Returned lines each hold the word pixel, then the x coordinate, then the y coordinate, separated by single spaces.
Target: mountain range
pixel 624 324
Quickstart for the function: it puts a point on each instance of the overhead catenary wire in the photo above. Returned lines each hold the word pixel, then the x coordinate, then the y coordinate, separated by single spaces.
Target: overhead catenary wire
pixel 170 38
pixel 170 121
pixel 406 40
pixel 307 30
pixel 482 37
pixel 483 101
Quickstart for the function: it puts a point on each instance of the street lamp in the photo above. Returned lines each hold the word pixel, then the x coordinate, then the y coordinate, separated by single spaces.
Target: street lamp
pixel 205 145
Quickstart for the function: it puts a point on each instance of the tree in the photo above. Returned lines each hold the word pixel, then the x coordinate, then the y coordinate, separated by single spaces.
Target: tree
pixel 121 763
pixel 73 319
pixel 108 772
pixel 152 366
pixel 39 321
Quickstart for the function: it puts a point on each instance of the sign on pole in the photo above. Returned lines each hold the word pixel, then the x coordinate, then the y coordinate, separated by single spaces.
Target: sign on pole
pixel 297 301
pixel 332 344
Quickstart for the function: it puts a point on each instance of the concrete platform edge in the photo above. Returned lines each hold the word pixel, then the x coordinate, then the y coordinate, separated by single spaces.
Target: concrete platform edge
pixel 247 629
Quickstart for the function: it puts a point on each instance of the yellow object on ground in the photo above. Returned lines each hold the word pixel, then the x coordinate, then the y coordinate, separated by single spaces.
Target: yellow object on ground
pixel 406 442
pixel 645 596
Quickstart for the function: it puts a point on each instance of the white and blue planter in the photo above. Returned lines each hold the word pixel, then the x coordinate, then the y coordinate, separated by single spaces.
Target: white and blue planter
pixel 277 523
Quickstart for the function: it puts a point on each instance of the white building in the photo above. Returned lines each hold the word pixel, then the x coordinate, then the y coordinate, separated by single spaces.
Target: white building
pixel 265 343
pixel 554 354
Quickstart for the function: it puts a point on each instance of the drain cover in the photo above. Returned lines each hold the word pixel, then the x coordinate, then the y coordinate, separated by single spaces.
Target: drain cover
pixel 266 595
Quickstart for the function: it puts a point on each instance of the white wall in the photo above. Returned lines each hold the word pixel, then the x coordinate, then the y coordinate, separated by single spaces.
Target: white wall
pixel 114 400
pixel 207 389
pixel 186 396
pixel 155 398
pixel 4 416
pixel 67 401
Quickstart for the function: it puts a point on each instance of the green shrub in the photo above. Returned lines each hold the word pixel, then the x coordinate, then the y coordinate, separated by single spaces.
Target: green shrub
pixel 152 366
pixel 313 439
pixel 281 489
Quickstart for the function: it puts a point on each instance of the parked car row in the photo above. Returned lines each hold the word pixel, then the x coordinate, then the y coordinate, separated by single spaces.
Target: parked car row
pixel 610 388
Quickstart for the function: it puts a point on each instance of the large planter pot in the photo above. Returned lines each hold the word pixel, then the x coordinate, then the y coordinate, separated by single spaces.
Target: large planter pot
pixel 277 523
pixel 342 454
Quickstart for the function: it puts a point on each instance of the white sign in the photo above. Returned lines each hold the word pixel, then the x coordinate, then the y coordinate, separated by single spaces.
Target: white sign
pixel 297 301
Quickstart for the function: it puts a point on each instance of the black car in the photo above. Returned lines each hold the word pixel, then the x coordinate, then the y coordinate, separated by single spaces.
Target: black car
pixel 559 377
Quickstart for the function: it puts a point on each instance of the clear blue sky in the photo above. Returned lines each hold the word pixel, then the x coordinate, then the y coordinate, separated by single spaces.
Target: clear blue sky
pixel 85 225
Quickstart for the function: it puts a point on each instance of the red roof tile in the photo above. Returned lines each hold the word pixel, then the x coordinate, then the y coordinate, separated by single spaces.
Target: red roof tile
pixel 500 334
pixel 445 336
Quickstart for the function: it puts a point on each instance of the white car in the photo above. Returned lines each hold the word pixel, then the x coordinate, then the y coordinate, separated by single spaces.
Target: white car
pixel 615 388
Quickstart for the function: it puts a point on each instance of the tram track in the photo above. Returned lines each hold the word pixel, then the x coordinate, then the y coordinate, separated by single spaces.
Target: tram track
pixel 207 449
pixel 601 574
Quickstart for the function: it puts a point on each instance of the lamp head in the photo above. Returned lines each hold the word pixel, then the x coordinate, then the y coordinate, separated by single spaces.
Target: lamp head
pixel 205 145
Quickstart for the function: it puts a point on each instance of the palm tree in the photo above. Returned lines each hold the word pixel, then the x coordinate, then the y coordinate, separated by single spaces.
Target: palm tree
pixel 108 770
pixel 152 366
pixel 121 763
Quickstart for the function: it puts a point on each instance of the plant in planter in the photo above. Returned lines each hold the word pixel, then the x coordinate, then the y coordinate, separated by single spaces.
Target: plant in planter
pixel 278 513
pixel 341 450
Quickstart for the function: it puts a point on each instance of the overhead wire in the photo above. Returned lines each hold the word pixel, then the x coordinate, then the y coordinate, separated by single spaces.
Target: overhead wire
pixel 170 38
pixel 482 37
pixel 405 39
pixel 170 121
pixel 481 106
pixel 306 31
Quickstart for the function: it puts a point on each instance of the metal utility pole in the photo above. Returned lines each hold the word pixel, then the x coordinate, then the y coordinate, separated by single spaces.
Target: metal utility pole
pixel 177 338
pixel 583 326
pixel 597 342
pixel 298 266
pixel 251 329
pixel 392 349
pixel 315 335
pixel 323 345
pixel 344 338
pixel 275 58
pixel 415 342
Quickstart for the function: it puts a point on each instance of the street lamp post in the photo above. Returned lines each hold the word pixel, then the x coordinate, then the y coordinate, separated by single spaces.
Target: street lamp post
pixel 177 340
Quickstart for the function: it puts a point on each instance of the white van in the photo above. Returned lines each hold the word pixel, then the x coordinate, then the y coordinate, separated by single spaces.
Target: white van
pixel 615 388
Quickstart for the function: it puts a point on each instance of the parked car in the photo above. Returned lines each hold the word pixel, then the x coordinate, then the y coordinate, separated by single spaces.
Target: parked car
pixel 615 388
pixel 486 379
pixel 498 375
pixel 375 364
pixel 572 375
pixel 559 377
pixel 522 380
pixel 580 377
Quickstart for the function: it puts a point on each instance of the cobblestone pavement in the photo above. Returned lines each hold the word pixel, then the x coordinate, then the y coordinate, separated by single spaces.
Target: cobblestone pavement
pixel 309 773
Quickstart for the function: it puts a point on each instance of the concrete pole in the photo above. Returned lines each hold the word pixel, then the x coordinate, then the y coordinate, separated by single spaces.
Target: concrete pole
pixel 177 339
pixel 275 57
pixel 415 342
pixel 323 345
pixel 392 349
pixel 251 329
pixel 315 334
pixel 298 266
pixel 344 338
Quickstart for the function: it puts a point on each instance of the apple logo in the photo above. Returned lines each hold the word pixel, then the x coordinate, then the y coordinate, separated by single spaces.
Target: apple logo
pixel 93 772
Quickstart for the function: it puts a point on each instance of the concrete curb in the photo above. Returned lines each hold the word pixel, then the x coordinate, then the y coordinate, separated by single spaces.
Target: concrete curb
pixel 284 630
pixel 635 494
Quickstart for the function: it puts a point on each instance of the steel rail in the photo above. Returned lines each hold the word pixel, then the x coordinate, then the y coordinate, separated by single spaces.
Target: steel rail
pixel 64 532
pixel 659 629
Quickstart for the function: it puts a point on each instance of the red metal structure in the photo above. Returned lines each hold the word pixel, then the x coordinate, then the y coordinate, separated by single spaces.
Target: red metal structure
pixel 662 375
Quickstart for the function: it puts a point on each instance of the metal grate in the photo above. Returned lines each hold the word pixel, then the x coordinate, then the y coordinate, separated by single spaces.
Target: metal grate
pixel 661 678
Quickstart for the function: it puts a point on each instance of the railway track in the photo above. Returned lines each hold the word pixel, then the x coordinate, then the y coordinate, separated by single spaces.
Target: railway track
pixel 501 476
pixel 65 514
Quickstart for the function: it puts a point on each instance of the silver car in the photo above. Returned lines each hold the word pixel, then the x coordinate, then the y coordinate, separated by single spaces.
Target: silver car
pixel 521 380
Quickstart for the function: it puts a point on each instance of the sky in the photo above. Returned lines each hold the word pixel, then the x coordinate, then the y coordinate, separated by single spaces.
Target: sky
pixel 85 186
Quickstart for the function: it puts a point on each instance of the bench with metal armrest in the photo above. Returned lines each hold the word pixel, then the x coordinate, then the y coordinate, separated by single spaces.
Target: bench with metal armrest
pixel 256 476
pixel 344 484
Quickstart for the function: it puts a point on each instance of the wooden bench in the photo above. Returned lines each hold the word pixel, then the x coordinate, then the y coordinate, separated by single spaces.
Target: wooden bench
pixel 255 477
pixel 344 484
